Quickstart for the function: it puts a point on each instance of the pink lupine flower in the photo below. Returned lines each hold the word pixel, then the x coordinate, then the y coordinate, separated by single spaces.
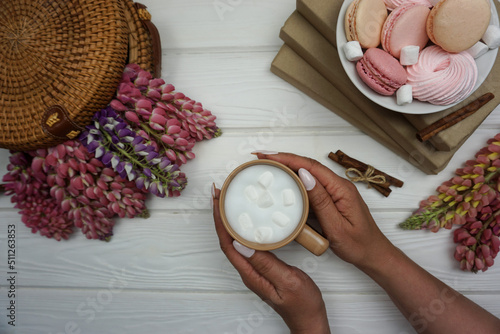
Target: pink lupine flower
pixel 471 199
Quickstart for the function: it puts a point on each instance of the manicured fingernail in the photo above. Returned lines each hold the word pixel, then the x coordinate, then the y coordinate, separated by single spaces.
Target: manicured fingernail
pixel 213 195
pixel 307 179
pixel 243 250
pixel 264 152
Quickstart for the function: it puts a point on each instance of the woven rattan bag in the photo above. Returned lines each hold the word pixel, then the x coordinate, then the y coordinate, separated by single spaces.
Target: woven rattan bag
pixel 61 62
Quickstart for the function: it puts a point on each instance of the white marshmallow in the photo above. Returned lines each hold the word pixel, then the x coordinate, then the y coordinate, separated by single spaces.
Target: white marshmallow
pixel 245 221
pixel 492 37
pixel 263 234
pixel 353 51
pixel 251 193
pixel 266 179
pixel 288 197
pixel 280 219
pixel 409 55
pixel 265 200
pixel 404 95
pixel 478 49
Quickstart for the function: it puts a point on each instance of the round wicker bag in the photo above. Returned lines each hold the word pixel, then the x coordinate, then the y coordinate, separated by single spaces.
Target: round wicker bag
pixel 61 62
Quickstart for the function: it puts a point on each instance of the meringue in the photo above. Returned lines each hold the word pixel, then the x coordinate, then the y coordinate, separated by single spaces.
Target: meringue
pixel 442 78
pixel 392 4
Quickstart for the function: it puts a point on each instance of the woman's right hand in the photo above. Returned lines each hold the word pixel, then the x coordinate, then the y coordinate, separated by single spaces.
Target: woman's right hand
pixel 344 216
pixel 354 237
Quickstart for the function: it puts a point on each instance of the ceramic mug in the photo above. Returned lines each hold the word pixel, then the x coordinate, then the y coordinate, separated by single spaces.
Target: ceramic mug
pixel 303 233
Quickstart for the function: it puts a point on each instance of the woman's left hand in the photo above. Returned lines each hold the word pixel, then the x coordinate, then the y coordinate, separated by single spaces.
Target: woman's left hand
pixel 288 290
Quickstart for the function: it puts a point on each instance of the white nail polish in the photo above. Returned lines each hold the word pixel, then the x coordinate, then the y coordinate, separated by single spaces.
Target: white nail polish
pixel 265 152
pixel 213 195
pixel 307 179
pixel 243 250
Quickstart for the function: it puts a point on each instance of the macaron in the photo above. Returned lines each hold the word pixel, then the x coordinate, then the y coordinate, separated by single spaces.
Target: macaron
pixel 392 4
pixel 363 22
pixel 405 25
pixel 381 72
pixel 456 25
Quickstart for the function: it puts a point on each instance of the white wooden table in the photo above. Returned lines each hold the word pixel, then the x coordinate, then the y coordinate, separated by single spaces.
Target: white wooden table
pixel 167 274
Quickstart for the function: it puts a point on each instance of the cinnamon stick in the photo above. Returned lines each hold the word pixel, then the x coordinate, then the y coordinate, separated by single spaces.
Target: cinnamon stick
pixel 382 188
pixel 384 191
pixel 453 118
pixel 349 162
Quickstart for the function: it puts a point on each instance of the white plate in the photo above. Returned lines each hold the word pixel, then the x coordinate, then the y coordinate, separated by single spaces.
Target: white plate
pixel 484 65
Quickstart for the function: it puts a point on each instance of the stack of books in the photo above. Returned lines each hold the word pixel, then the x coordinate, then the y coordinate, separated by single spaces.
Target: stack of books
pixel 309 61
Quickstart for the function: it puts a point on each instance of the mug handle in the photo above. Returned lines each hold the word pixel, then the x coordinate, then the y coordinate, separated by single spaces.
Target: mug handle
pixel 312 241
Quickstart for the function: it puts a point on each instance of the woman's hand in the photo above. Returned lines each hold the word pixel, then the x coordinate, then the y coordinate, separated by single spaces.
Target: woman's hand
pixel 354 237
pixel 288 290
pixel 344 217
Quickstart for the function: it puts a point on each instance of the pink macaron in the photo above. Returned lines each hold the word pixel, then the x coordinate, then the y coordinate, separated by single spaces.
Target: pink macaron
pixel 406 25
pixel 381 72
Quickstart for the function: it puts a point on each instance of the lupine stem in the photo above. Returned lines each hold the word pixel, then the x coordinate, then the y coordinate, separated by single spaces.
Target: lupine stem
pixel 142 163
pixel 491 175
pixel 484 227
pixel 157 138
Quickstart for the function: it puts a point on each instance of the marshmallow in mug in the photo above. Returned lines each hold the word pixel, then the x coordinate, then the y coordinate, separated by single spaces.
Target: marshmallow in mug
pixel 263 204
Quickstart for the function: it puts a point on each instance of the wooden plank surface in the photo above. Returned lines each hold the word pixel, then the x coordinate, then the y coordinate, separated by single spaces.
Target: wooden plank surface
pixel 167 274
pixel 120 310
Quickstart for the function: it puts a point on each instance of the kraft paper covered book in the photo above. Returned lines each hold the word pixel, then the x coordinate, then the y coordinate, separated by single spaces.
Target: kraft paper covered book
pixel 295 70
pixel 323 15
pixel 289 66
pixel 307 42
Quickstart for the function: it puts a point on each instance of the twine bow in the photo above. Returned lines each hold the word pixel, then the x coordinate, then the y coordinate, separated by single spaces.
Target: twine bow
pixel 367 177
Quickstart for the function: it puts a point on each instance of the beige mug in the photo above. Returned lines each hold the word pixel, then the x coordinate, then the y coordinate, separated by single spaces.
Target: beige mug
pixel 303 233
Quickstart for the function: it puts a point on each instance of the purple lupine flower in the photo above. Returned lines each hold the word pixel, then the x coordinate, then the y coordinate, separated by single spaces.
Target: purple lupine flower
pixel 120 147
